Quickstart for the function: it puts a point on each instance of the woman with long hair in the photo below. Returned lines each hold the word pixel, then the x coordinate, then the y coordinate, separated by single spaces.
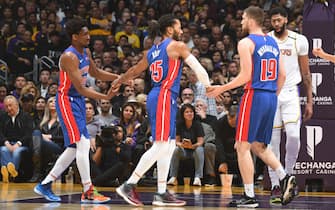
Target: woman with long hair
pixel 189 141
pixel 47 141
pixel 128 120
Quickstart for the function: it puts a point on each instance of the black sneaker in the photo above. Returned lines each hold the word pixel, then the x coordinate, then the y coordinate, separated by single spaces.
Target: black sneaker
pixel 210 182
pixel 275 198
pixel 245 202
pixel 128 193
pixel 288 186
pixel 167 199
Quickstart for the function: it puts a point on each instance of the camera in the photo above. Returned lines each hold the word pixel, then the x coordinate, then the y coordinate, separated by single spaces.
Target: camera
pixel 107 136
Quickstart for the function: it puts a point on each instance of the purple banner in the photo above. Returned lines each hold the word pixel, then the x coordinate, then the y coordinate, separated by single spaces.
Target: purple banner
pixel 319 26
pixel 316 158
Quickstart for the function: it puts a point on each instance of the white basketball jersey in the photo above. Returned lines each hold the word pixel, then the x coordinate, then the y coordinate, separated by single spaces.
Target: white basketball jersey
pixel 293 46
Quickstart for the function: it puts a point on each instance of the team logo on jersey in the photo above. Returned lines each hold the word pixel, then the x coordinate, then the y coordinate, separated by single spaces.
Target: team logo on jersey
pixel 155 53
pixel 314 137
pixel 286 52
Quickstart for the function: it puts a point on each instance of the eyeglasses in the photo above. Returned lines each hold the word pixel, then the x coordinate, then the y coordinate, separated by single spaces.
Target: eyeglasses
pixel 187 94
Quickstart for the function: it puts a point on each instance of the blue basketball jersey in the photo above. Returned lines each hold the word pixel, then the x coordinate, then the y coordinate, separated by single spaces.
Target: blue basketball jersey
pixel 162 99
pixel 65 84
pixel 265 63
pixel 70 105
pixel 165 72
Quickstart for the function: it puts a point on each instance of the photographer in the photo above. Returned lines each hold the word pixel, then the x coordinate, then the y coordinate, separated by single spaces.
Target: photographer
pixel 111 157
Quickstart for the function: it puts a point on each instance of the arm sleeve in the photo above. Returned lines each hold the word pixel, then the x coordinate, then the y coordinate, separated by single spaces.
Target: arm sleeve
pixel 201 73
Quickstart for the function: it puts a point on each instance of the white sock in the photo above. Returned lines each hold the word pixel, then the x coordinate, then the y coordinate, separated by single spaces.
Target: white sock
pixel 275 147
pixel 156 151
pixel 249 190
pixel 63 161
pixel 280 172
pixel 83 162
pixel 163 167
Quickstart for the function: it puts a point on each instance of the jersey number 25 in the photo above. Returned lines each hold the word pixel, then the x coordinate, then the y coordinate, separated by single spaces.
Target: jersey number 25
pixel 156 70
pixel 268 69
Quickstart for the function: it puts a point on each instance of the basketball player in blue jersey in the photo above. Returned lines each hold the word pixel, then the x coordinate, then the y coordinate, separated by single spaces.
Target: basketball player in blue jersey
pixel 164 60
pixel 263 74
pixel 75 63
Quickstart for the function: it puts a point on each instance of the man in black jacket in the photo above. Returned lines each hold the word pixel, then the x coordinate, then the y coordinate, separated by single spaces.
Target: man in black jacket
pixel 111 158
pixel 15 137
pixel 226 155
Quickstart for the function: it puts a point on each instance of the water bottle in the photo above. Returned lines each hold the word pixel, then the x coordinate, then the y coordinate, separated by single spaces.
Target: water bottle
pixel 154 174
pixel 69 176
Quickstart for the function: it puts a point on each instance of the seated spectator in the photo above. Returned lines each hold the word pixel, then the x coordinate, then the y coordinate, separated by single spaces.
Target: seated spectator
pixel 143 141
pixel 98 24
pixel 128 30
pixel 224 105
pixel 47 141
pixel 20 82
pixel 44 81
pixel 27 104
pixel 209 124
pixel 30 88
pixel 15 136
pixel 93 124
pixel 39 108
pixel 226 155
pixel 189 141
pixel 3 94
pixel 52 90
pixel 105 115
pixel 118 101
pixel 128 120
pixel 112 157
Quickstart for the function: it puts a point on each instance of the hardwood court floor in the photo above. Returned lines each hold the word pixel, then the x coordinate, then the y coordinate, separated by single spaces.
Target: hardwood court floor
pixel 19 196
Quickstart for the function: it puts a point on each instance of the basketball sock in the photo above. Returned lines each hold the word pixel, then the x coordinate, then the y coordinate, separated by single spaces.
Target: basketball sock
pixel 274 146
pixel 163 166
pixel 64 160
pixel 83 162
pixel 249 190
pixel 157 151
pixel 280 172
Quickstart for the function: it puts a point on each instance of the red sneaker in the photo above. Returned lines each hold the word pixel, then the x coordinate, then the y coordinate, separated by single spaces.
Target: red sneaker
pixel 128 193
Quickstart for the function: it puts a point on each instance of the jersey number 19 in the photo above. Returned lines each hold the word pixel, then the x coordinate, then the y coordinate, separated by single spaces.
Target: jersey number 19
pixel 268 69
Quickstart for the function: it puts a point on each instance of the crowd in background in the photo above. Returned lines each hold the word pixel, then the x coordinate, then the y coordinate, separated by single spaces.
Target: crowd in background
pixel 119 129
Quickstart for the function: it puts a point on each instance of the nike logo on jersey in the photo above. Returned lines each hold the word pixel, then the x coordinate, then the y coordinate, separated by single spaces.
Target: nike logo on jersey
pixel 155 53
pixel 81 60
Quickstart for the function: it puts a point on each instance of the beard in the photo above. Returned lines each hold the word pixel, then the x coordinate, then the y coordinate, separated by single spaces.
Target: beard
pixel 281 31
pixel 176 36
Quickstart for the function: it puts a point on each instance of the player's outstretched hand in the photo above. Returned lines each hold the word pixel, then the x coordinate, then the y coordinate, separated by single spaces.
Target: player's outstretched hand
pixel 116 84
pixel 318 51
pixel 112 92
pixel 214 90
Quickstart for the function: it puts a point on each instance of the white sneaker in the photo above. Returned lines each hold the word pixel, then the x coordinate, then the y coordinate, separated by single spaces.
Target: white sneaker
pixel 172 181
pixel 197 181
